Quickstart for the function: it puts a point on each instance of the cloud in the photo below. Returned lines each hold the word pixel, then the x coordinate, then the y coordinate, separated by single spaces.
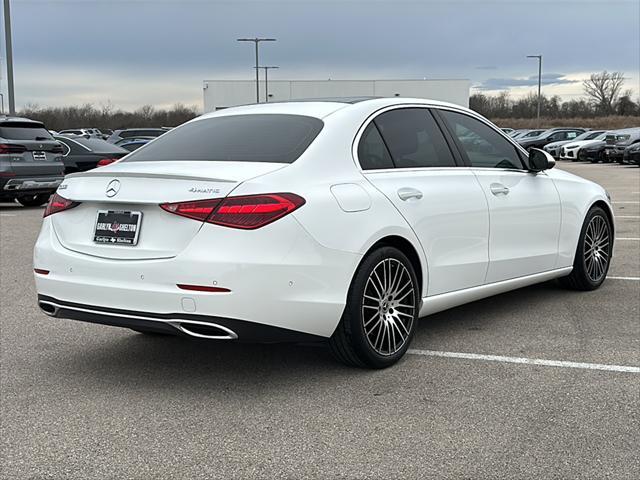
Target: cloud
pixel 507 83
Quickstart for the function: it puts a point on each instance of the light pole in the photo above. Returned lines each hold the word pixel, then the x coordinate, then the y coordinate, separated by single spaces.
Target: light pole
pixel 7 42
pixel 266 81
pixel 256 41
pixel 539 57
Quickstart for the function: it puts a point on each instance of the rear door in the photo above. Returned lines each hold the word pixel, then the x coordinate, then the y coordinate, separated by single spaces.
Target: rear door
pixel 404 154
pixel 524 207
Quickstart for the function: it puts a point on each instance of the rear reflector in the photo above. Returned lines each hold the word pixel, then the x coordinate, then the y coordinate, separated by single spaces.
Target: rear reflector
pixel 58 204
pixel 40 271
pixel 106 161
pixel 247 212
pixel 203 288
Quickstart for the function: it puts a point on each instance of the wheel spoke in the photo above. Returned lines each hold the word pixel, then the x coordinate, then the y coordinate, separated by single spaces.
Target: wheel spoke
pixel 368 332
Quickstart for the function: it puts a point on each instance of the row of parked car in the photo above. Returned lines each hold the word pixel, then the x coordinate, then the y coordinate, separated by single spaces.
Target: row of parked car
pixel 579 144
pixel 34 160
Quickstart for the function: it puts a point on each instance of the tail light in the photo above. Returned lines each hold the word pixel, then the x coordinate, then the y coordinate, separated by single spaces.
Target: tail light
pixel 57 149
pixel 7 148
pixel 58 204
pixel 106 161
pixel 247 212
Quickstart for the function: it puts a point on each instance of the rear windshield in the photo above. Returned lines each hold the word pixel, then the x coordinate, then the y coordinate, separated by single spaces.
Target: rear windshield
pixel 24 131
pixel 274 138
pixel 99 146
pixel 139 133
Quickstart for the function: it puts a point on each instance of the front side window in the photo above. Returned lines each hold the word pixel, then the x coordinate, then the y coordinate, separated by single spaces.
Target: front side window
pixel 483 146
pixel 277 138
pixel 414 139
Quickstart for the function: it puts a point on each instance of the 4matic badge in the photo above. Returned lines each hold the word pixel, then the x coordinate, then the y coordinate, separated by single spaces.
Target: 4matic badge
pixel 204 190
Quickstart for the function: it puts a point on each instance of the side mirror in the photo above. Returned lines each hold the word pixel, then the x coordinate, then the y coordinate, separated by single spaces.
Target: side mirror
pixel 540 160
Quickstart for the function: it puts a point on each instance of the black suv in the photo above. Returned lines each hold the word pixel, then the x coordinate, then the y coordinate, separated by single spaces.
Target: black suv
pixel 31 165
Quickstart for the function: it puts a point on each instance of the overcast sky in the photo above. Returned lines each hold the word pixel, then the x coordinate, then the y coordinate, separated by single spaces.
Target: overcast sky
pixel 133 52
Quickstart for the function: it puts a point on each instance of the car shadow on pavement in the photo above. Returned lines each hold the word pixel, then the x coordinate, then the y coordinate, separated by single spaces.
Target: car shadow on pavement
pixel 117 357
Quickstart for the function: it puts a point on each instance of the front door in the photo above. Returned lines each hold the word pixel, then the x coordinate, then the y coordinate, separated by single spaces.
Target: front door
pixel 524 207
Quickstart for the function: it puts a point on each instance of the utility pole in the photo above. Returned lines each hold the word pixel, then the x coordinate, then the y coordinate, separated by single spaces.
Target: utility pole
pixel 7 41
pixel 266 81
pixel 539 57
pixel 256 41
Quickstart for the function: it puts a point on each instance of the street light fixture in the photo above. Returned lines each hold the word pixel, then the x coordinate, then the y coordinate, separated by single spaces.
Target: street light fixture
pixel 257 41
pixel 539 57
pixel 266 81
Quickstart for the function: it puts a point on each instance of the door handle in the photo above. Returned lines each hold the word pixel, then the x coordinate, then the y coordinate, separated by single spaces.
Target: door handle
pixel 408 193
pixel 499 189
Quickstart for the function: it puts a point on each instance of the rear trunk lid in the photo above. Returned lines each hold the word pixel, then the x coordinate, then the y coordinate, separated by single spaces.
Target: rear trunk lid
pixel 40 158
pixel 140 187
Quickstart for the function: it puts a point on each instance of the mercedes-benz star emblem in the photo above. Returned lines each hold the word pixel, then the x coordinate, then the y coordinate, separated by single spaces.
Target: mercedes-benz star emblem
pixel 113 188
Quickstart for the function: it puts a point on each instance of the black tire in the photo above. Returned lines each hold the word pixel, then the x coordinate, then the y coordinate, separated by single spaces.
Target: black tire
pixel 34 200
pixel 581 277
pixel 351 343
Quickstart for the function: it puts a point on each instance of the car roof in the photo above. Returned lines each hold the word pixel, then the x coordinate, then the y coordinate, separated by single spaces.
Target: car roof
pixel 322 107
pixel 7 118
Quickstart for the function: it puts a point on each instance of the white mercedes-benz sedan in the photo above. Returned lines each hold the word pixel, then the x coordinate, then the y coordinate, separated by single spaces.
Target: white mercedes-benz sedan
pixel 340 220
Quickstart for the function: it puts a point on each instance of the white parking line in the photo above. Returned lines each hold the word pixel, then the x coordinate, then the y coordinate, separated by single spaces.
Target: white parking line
pixel 526 361
pixel 632 279
pixel 634 239
pixel 7 214
pixel 630 201
pixel 627 216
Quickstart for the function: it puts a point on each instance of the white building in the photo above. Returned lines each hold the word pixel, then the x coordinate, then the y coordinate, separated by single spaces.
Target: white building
pixel 220 94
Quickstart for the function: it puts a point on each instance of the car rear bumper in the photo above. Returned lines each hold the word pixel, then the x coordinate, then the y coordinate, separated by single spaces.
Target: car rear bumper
pixel 296 285
pixel 29 184
pixel 194 326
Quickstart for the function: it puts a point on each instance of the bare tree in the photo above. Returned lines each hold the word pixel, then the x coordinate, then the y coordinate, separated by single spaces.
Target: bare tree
pixel 604 89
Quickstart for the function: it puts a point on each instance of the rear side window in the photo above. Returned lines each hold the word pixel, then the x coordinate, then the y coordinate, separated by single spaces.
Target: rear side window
pixel 24 131
pixel 414 139
pixel 372 152
pixel 276 138
pixel 483 146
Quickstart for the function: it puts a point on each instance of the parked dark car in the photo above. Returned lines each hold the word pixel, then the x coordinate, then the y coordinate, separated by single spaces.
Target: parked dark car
pixel 593 152
pixel 31 165
pixel 134 143
pixel 631 154
pixel 549 136
pixel 136 132
pixel 81 154
pixel 616 145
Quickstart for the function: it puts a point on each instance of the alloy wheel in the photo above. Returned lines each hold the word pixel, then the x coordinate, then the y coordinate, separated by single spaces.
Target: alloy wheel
pixel 596 248
pixel 388 306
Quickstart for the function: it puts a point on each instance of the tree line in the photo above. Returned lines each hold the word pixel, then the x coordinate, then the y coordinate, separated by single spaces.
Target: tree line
pixel 90 116
pixel 603 97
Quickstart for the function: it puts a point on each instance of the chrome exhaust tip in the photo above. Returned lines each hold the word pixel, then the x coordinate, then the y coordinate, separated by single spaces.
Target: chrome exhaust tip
pixel 210 331
pixel 48 308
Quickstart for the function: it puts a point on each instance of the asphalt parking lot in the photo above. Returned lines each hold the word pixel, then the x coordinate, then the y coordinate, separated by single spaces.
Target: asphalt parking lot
pixel 88 401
